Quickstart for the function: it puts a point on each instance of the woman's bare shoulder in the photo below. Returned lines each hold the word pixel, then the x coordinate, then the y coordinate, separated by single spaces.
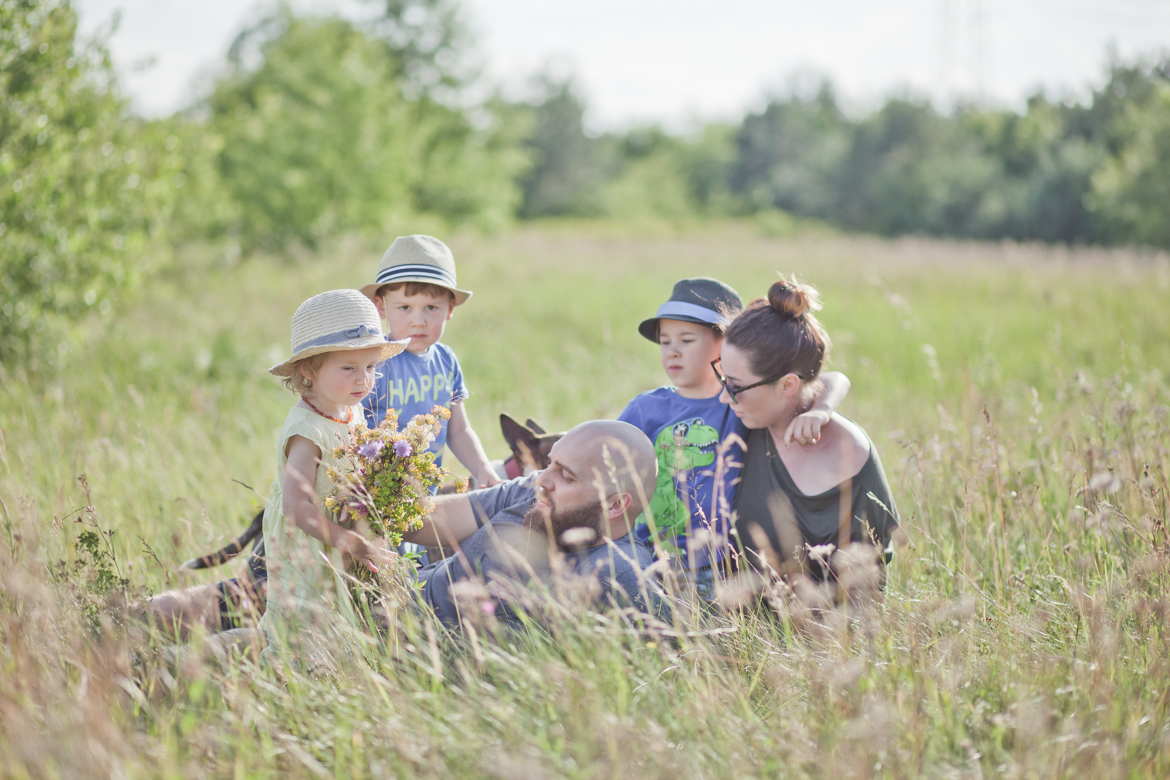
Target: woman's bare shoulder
pixel 851 439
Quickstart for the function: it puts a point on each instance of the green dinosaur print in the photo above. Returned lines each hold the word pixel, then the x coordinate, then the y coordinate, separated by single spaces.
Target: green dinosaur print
pixel 683 447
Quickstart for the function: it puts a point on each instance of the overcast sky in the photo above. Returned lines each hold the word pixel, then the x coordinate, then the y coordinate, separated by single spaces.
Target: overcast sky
pixel 677 61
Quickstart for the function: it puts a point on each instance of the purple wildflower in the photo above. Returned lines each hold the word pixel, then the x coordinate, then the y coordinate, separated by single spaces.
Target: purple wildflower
pixel 402 448
pixel 371 449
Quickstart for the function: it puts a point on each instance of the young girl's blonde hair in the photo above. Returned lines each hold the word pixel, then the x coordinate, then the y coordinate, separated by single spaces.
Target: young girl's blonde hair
pixel 297 381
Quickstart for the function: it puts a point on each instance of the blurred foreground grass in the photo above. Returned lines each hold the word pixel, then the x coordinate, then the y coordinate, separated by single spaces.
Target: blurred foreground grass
pixel 1017 394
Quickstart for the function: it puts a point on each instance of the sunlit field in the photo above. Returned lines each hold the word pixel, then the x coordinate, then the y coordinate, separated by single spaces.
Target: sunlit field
pixel 1019 399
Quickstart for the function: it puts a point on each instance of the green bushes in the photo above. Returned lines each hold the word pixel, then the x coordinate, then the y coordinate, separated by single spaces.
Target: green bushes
pixel 81 211
pixel 318 127
pixel 319 138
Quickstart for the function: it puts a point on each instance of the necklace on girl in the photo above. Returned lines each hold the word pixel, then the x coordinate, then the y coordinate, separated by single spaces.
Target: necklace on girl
pixel 346 421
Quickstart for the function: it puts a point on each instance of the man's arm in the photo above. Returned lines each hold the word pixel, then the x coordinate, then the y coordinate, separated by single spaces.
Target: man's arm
pixel 451 521
pixel 465 445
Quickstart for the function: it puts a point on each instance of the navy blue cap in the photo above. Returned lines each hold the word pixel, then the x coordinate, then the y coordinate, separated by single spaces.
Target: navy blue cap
pixel 703 300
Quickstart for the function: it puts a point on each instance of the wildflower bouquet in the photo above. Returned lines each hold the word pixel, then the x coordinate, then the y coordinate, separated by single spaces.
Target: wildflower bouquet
pixel 388 486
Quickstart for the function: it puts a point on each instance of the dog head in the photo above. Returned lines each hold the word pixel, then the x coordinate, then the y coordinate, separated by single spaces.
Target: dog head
pixel 529 443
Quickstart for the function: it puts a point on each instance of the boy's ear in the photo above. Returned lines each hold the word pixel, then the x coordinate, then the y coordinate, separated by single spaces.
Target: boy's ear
pixel 451 307
pixel 381 306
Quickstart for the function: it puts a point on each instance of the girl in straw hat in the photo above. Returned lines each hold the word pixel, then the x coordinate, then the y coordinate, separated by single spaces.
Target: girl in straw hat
pixel 337 343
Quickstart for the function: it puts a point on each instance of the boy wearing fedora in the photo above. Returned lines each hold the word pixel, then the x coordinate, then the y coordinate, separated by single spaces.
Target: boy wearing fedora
pixel 416 293
pixel 697 438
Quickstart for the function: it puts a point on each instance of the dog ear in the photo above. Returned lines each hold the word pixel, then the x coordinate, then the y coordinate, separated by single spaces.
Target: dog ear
pixel 514 432
pixel 534 426
pixel 523 443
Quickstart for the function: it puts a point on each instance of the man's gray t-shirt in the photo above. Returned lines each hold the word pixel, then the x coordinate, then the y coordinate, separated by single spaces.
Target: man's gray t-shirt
pixel 505 548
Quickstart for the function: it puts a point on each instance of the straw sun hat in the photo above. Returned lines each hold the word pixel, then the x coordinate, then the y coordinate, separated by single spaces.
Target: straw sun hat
pixel 417 258
pixel 335 321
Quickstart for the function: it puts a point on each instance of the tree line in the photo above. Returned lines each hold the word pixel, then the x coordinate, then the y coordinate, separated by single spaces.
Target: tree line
pixel 1093 172
pixel 318 126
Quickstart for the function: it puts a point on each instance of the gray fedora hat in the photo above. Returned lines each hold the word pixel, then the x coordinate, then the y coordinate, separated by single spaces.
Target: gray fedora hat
pixel 417 258
pixel 703 300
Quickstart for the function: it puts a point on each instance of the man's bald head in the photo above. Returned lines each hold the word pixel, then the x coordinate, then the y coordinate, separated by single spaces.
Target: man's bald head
pixel 619 455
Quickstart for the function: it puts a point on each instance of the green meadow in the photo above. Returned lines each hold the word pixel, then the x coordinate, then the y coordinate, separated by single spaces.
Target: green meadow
pixel 1018 394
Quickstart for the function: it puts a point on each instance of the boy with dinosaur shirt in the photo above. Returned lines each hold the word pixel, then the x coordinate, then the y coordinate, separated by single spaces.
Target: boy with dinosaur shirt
pixel 699 441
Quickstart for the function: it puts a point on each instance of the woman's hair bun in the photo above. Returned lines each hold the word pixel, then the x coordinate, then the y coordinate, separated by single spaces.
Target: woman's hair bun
pixel 780 335
pixel 793 300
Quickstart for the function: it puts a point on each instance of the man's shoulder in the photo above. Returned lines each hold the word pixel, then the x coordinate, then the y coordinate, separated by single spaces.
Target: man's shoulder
pixel 638 549
pixel 626 554
pixel 622 562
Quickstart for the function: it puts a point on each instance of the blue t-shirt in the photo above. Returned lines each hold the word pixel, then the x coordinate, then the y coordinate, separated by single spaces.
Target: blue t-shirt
pixel 695 454
pixel 413 384
pixel 502 541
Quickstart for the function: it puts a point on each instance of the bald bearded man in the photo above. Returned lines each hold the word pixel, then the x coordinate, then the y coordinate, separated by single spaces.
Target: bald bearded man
pixel 584 505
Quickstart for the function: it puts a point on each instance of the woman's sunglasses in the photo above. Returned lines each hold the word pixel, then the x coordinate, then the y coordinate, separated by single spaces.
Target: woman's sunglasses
pixel 732 390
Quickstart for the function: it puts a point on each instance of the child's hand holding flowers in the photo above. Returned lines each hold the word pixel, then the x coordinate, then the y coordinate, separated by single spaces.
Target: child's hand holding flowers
pixel 389 487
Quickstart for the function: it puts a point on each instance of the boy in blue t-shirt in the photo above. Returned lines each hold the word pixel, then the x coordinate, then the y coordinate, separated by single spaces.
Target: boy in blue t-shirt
pixel 415 292
pixel 699 440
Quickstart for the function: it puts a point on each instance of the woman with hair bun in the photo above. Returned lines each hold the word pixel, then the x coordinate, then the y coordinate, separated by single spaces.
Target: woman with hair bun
pixel 792 499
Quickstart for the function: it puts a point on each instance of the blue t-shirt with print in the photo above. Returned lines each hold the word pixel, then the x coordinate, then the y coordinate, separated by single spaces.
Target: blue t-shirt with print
pixel 413 384
pixel 699 446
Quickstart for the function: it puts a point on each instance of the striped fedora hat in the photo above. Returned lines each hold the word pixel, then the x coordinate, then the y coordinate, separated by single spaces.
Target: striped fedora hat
pixel 417 259
pixel 336 321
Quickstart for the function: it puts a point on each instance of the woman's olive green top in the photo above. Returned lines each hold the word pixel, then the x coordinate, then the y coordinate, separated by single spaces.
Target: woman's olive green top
pixel 769 500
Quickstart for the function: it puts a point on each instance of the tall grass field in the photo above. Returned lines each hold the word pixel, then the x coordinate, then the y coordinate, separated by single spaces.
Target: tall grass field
pixel 1018 396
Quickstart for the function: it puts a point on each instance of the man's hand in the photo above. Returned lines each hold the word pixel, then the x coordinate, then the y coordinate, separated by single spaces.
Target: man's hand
pixel 487 477
pixel 806 428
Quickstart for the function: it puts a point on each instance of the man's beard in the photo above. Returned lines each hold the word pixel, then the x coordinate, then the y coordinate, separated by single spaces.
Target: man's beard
pixel 587 517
